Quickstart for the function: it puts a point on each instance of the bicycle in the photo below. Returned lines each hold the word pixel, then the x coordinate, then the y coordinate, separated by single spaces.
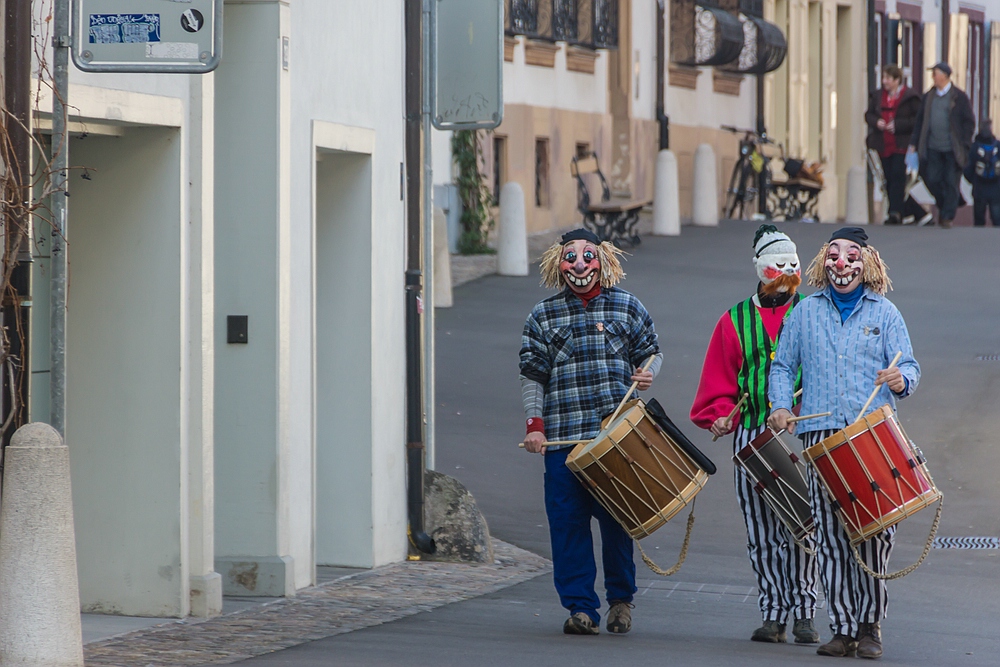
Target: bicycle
pixel 751 173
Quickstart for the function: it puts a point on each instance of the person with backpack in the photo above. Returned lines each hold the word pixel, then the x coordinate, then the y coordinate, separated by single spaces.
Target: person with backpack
pixel 983 172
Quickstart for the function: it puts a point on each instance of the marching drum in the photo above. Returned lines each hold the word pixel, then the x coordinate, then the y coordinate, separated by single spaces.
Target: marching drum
pixel 640 468
pixel 872 474
pixel 779 476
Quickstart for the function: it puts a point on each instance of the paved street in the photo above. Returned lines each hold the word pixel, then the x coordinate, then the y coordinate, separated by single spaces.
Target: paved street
pixel 943 614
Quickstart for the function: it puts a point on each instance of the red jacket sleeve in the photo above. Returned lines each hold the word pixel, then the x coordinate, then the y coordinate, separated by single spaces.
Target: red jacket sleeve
pixel 718 388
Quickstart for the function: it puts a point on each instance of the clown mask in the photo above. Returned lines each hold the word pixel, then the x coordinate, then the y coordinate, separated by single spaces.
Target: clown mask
pixel 844 265
pixel 779 272
pixel 580 266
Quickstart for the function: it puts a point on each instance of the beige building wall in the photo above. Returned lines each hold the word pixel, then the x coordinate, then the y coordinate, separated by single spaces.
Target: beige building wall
pixel 815 102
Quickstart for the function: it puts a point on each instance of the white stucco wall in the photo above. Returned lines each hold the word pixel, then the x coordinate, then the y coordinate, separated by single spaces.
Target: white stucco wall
pixel 556 87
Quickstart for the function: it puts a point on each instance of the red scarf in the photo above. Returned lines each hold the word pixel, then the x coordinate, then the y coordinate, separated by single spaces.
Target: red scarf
pixel 589 295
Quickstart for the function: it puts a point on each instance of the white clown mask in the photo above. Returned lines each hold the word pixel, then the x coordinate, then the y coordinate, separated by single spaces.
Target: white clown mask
pixel 776 261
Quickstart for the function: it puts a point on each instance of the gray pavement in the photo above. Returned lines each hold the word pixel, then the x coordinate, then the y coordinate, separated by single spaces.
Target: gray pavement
pixel 946 613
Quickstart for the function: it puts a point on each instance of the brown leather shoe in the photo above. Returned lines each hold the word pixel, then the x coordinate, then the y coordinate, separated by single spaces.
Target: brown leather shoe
pixel 945 224
pixel 870 641
pixel 841 646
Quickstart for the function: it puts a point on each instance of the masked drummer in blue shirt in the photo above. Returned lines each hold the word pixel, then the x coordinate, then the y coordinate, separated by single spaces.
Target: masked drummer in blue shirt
pixel 844 337
pixel 581 349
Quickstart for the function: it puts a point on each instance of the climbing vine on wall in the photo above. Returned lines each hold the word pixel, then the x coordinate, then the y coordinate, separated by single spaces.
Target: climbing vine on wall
pixel 477 220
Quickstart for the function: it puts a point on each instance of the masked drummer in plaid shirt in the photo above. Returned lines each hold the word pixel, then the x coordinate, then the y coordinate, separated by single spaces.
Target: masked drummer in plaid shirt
pixel 843 338
pixel 737 362
pixel 581 350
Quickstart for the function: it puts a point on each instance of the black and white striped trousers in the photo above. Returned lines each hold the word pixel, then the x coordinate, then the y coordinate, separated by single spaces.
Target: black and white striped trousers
pixel 786 573
pixel 853 596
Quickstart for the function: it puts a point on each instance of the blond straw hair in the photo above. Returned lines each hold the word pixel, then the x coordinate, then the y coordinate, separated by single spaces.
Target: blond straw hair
pixel 607 253
pixel 874 275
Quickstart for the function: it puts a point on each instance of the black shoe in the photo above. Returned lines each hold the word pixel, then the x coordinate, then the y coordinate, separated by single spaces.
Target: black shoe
pixel 771 631
pixel 869 641
pixel 841 646
pixel 805 631
pixel 580 624
pixel 894 219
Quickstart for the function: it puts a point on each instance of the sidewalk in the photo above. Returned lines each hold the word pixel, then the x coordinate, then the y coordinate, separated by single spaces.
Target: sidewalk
pixel 357 601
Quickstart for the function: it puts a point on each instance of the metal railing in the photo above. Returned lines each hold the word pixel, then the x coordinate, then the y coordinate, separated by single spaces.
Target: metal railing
pixel 588 23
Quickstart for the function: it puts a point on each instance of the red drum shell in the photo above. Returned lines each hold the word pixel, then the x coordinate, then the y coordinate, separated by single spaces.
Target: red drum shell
pixel 872 487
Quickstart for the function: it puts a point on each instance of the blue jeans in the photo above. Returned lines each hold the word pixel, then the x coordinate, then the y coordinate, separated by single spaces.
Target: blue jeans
pixel 942 178
pixel 569 507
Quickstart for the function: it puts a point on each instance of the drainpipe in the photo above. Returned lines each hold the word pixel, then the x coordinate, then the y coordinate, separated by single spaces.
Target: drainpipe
pixel 414 165
pixel 945 30
pixel 661 64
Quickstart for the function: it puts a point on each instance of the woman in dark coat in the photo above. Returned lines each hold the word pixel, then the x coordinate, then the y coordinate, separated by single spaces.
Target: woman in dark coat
pixel 891 117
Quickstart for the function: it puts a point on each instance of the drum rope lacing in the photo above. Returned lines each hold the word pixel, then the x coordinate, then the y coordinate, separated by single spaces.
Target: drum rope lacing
pixel 680 559
pixel 906 570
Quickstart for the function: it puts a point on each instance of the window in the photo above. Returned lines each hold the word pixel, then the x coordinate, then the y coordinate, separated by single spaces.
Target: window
pixel 582 150
pixel 542 172
pixel 499 165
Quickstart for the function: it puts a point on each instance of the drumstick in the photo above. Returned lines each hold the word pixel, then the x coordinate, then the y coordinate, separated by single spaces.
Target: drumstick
pixel 635 384
pixel 792 420
pixel 556 442
pixel 732 414
pixel 875 391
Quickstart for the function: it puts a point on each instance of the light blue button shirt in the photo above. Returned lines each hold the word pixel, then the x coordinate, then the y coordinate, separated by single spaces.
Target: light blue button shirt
pixel 839 361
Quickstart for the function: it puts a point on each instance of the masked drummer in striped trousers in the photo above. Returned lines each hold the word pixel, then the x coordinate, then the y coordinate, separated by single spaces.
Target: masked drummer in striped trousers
pixel 737 362
pixel 843 339
pixel 580 351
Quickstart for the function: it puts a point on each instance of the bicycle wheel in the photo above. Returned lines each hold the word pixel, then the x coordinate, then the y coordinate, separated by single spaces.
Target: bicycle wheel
pixel 742 208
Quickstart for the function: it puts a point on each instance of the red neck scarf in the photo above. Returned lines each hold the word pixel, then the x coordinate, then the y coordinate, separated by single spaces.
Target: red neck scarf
pixel 589 295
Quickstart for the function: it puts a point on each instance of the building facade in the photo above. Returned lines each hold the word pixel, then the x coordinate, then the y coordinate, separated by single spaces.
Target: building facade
pixel 264 198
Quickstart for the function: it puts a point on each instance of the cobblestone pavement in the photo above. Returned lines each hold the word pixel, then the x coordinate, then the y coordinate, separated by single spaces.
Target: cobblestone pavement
pixel 371 598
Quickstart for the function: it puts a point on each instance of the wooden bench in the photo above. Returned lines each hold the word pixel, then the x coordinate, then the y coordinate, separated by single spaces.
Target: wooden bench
pixel 612 218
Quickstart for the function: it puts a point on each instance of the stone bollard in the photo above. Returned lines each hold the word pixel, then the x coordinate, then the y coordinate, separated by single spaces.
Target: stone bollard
pixel 453 519
pixel 666 196
pixel 856 211
pixel 512 236
pixel 442 261
pixel 705 204
pixel 39 590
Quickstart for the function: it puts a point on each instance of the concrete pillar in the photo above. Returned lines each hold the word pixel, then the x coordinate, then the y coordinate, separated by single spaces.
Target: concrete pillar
pixel 442 261
pixel 512 251
pixel 666 197
pixel 857 196
pixel 253 453
pixel 705 204
pixel 39 590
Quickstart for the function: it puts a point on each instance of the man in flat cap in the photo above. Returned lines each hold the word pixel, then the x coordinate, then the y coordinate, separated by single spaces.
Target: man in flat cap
pixel 942 136
pixel 843 337
pixel 581 349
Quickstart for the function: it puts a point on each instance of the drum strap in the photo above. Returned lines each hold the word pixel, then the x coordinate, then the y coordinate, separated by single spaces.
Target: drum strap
pixel 906 570
pixel 684 550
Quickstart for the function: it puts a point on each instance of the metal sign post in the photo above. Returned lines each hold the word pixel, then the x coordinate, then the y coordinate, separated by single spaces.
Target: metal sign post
pixel 463 90
pixel 157 36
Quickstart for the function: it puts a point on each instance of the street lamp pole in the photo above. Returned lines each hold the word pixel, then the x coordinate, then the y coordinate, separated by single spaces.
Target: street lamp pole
pixel 60 162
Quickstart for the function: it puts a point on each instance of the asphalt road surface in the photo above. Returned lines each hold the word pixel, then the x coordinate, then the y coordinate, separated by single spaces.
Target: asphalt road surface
pixel 946 613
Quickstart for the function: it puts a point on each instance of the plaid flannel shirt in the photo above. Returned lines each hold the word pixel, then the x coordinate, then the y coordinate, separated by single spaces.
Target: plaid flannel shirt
pixel 585 357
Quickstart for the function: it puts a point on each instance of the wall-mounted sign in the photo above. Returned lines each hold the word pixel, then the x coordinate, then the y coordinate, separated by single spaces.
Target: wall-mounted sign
pixel 161 36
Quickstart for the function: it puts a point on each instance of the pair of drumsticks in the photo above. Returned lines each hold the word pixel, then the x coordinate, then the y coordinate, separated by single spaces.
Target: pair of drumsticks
pixel 791 420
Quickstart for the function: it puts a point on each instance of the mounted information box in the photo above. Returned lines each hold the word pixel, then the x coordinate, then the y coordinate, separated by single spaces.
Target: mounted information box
pixel 156 36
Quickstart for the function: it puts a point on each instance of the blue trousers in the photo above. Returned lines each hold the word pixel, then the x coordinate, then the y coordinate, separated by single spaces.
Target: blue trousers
pixel 569 508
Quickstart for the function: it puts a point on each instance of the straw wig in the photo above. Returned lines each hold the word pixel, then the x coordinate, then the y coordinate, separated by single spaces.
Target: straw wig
pixel 607 253
pixel 874 275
